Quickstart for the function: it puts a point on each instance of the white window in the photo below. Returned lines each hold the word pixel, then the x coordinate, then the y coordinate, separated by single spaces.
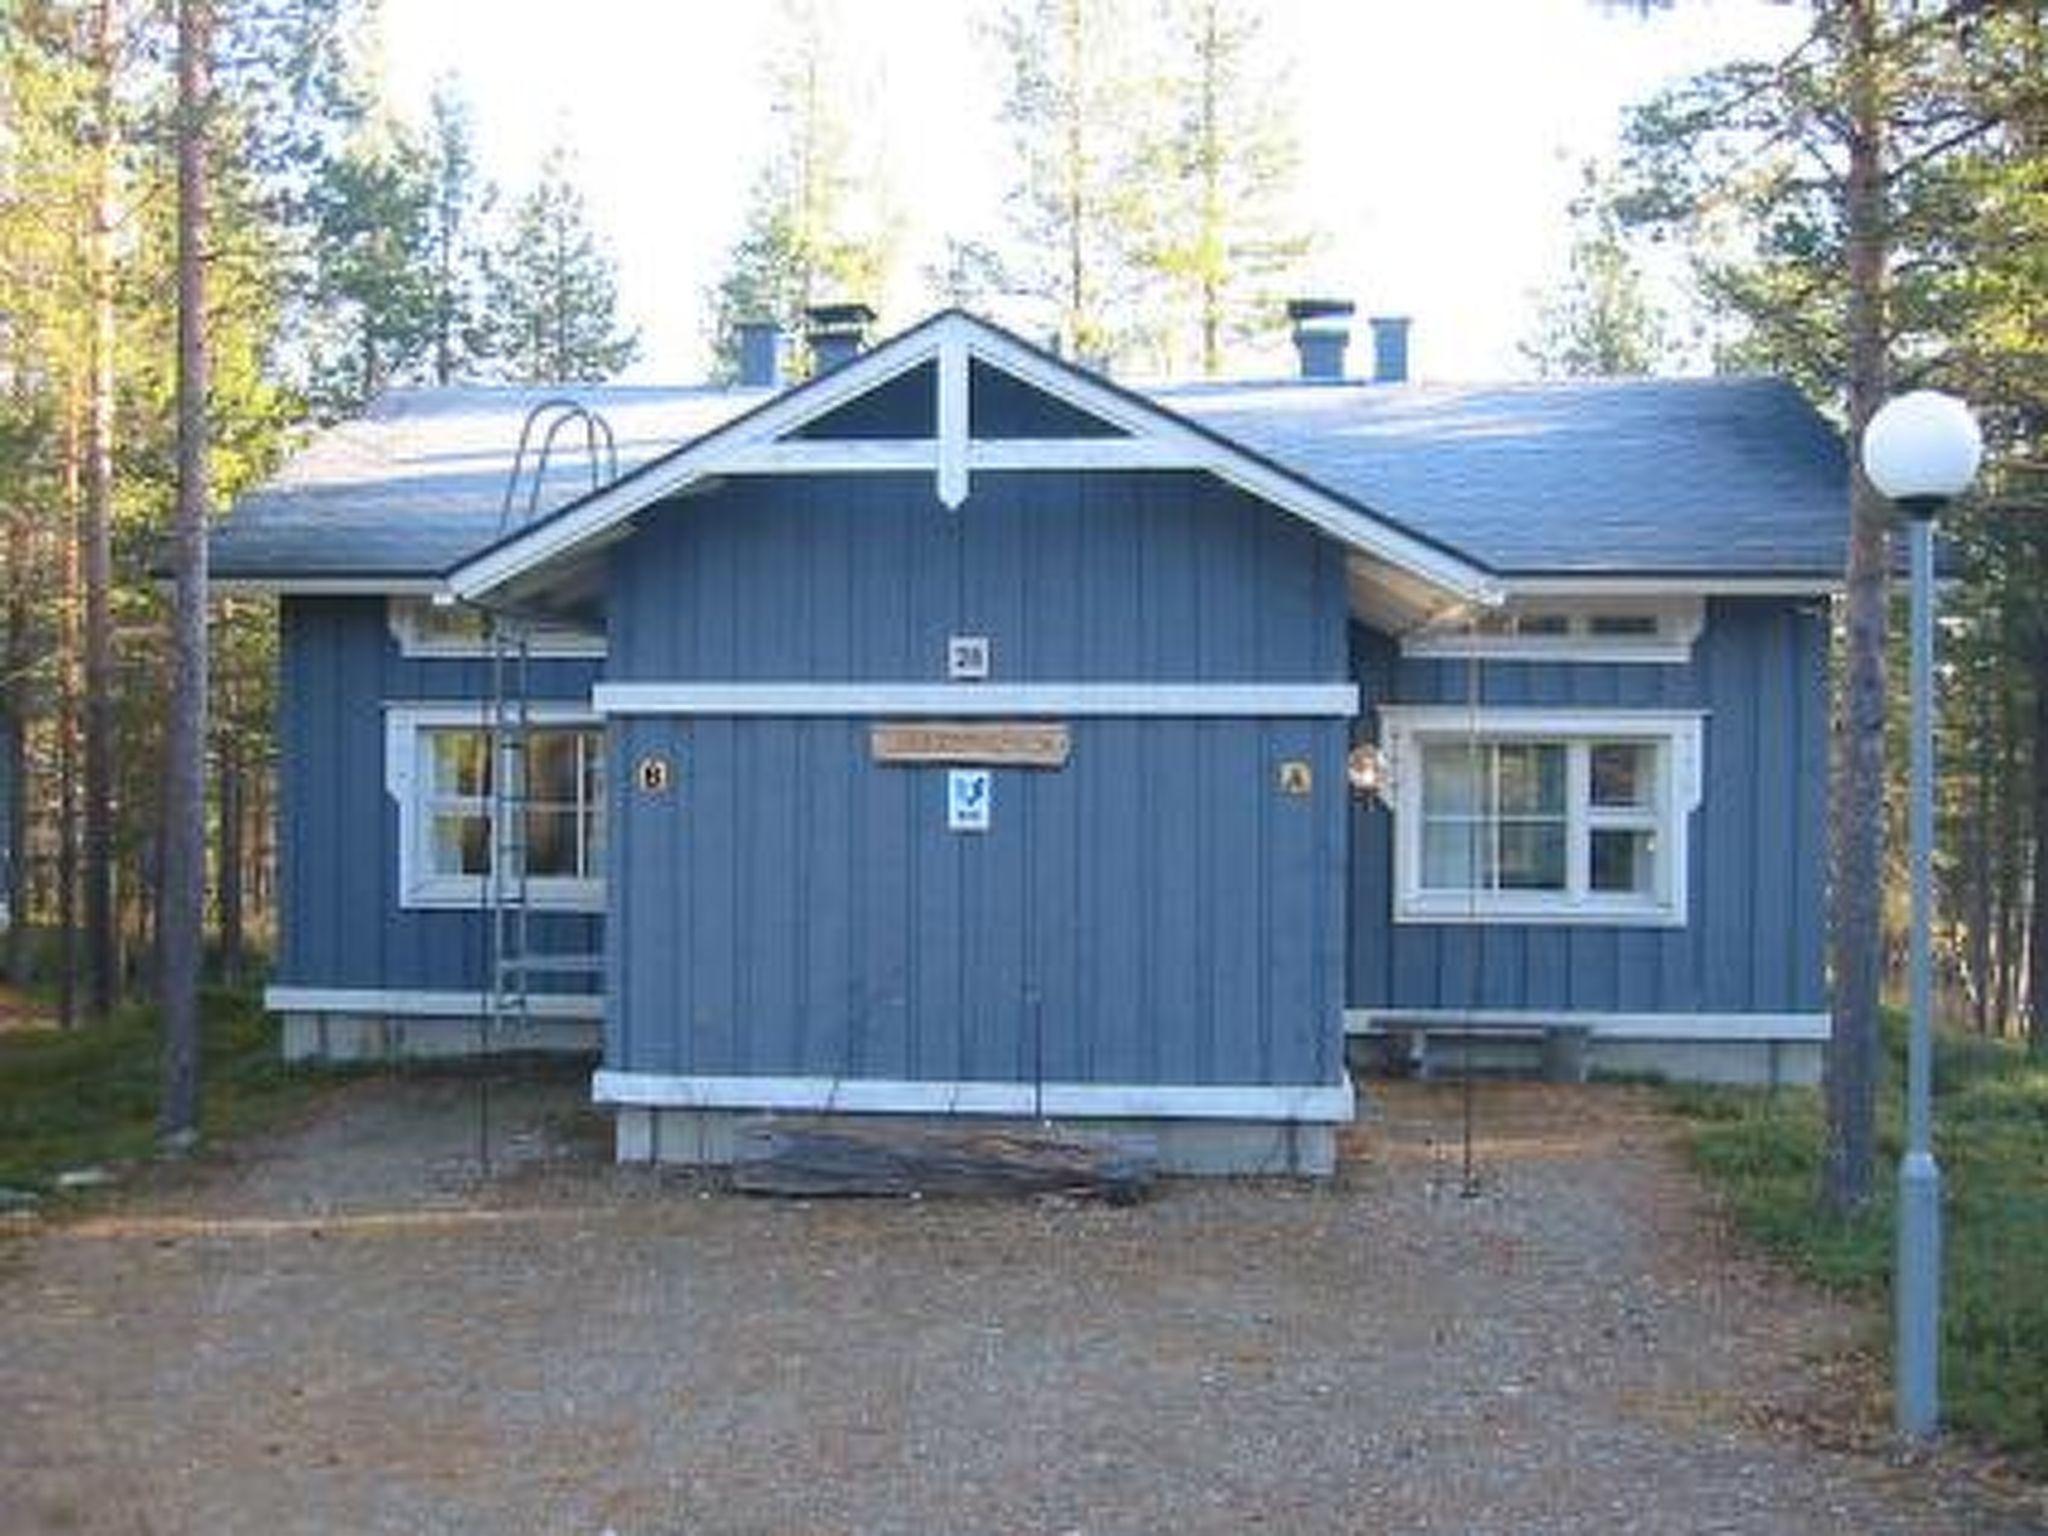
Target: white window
pixel 1617 629
pixel 429 629
pixel 1533 815
pixel 439 768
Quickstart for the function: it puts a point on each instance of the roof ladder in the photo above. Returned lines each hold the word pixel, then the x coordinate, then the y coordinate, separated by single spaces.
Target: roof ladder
pixel 538 435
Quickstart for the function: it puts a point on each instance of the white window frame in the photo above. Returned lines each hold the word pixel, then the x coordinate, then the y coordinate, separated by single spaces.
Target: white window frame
pixel 1679 621
pixel 418 887
pixel 545 642
pixel 1679 736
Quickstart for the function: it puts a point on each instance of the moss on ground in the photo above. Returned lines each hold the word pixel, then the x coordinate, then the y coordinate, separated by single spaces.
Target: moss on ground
pixel 88 1096
pixel 1762 1151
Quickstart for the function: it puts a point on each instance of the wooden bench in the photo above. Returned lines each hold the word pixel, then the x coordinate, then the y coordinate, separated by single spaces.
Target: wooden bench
pixel 1419 1046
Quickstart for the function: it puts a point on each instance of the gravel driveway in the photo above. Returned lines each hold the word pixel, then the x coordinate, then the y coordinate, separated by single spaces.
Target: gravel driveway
pixel 345 1330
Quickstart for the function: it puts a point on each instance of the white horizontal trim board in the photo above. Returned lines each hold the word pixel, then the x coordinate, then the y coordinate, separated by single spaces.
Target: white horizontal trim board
pixel 1601 1026
pixel 1671 586
pixel 962 699
pixel 330 586
pixel 1331 1103
pixel 375 1001
pixel 924 454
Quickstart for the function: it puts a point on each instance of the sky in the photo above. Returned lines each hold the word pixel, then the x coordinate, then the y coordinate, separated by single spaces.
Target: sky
pixel 1441 141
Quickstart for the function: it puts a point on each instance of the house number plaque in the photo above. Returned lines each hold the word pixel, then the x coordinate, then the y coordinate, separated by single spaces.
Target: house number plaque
pixel 985 742
pixel 653 774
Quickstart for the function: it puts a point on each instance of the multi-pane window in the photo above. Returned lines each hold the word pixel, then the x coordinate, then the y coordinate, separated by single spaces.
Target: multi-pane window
pixel 433 629
pixel 1504 820
pixel 562 795
pixel 1614 629
pixel 439 768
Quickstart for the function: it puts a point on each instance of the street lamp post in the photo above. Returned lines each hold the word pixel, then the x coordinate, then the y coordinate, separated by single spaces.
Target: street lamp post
pixel 1920 451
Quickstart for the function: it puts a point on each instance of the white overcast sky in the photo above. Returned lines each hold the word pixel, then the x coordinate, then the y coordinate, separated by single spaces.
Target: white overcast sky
pixel 1440 138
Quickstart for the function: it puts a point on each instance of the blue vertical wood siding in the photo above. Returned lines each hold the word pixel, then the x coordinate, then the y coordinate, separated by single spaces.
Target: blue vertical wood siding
pixel 1754 939
pixel 1153 577
pixel 1156 911
pixel 338 828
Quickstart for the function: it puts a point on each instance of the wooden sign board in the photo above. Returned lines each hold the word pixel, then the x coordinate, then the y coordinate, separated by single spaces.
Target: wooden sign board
pixel 1000 744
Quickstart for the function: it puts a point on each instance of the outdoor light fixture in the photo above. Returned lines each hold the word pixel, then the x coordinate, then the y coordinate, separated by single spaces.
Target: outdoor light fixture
pixel 1920 451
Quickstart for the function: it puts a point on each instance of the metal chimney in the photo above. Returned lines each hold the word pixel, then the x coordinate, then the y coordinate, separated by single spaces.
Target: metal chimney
pixel 836 333
pixel 1389 349
pixel 1322 332
pixel 760 354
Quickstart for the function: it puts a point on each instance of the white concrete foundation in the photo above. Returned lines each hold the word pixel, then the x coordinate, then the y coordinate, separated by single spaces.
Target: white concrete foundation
pixel 704 1138
pixel 351 1037
pixel 1738 1063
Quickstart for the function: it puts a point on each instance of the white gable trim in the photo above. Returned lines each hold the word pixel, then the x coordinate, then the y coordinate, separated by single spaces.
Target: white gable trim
pixel 753 444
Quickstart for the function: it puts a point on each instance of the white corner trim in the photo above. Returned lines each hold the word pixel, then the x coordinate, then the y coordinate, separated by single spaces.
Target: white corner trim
pixel 1215 700
pixel 1331 1103
pixel 1761 1027
pixel 756 438
pixel 399 1001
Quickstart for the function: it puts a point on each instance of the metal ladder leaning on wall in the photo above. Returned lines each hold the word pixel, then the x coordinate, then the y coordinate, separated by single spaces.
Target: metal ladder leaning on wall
pixel 517 960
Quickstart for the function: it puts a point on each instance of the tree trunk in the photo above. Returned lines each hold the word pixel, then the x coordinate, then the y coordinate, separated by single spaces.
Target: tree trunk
pixel 2037 906
pixel 100 950
pixel 1854 1048
pixel 181 910
pixel 19 650
pixel 228 861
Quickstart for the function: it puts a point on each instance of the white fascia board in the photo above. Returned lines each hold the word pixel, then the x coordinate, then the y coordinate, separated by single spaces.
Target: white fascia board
pixel 1174 443
pixel 710 456
pixel 1601 1026
pixel 1342 522
pixel 409 1003
pixel 332 586
pixel 1184 700
pixel 1595 586
pixel 1325 1104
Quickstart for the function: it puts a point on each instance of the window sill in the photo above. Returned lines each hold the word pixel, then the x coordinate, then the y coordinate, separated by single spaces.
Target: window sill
pixel 460 895
pixel 1496 913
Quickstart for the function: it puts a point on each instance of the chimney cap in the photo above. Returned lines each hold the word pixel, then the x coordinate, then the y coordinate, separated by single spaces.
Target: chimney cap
pixel 840 317
pixel 1299 310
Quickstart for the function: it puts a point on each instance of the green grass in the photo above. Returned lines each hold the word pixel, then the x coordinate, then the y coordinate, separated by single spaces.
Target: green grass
pixel 1763 1152
pixel 89 1096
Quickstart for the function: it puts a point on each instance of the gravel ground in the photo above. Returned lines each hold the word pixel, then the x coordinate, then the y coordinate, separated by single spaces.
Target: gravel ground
pixel 346 1330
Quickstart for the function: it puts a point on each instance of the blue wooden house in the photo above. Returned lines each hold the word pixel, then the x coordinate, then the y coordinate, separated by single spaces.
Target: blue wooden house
pixel 962 733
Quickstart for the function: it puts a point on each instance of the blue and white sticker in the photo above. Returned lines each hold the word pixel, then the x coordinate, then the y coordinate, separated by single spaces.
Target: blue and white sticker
pixel 968 791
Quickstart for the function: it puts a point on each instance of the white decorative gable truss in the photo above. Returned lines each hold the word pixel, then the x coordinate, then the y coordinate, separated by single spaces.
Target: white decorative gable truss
pixel 1397 576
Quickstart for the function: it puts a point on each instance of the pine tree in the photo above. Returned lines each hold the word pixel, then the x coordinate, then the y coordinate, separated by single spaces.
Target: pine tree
pixel 457 202
pixel 1083 111
pixel 1229 153
pixel 374 287
pixel 1816 191
pixel 184 896
pixel 553 289
pixel 819 225
pixel 1598 322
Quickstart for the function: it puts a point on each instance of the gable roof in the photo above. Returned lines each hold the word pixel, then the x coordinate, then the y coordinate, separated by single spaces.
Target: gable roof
pixel 771 438
pixel 1696 481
